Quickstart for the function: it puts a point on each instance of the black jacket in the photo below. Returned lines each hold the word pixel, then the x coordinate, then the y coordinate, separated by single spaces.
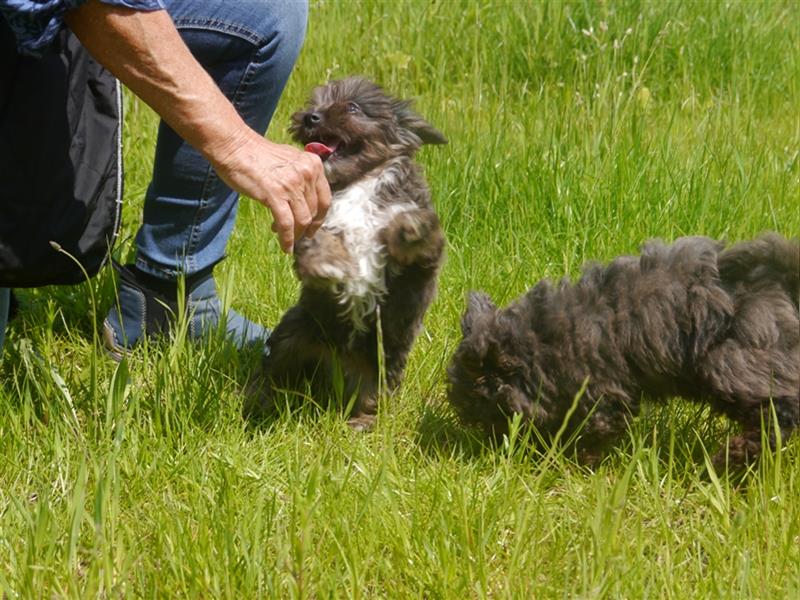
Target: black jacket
pixel 60 163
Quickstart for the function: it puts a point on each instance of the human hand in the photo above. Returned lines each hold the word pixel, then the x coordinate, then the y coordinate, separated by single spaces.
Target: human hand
pixel 288 181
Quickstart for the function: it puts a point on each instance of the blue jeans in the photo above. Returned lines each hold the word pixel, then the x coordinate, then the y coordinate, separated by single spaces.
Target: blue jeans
pixel 249 48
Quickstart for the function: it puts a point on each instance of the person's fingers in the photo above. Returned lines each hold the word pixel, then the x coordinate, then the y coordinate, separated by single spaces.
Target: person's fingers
pixel 313 170
pixel 323 195
pixel 300 213
pixel 308 172
pixel 283 225
pixel 313 224
pixel 312 229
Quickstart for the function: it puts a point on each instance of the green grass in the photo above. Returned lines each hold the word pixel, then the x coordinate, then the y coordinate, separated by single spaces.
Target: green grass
pixel 577 130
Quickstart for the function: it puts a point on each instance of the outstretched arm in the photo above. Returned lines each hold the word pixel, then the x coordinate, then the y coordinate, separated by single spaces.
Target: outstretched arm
pixel 145 51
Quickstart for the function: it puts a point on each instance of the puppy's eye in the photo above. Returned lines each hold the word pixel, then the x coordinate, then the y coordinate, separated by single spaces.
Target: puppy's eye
pixel 352 108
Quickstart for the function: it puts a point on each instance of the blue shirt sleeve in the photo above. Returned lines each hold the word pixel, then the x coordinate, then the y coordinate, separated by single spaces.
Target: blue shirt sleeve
pixel 36 22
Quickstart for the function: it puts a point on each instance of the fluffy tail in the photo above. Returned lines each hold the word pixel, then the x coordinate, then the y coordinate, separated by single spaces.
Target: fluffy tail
pixel 769 259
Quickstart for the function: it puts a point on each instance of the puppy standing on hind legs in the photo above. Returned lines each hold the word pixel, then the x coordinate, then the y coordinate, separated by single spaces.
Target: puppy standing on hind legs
pixel 692 319
pixel 376 257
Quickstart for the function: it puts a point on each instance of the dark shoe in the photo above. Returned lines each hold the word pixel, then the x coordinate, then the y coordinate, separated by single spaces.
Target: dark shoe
pixel 148 306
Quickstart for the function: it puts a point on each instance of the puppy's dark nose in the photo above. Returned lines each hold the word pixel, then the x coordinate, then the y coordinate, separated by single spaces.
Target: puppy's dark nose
pixel 312 119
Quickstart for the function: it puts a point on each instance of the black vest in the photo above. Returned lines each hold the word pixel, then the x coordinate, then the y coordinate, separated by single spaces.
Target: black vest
pixel 60 163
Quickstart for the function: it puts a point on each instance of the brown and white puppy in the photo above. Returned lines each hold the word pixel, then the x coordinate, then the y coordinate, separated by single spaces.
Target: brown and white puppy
pixel 374 263
pixel 694 319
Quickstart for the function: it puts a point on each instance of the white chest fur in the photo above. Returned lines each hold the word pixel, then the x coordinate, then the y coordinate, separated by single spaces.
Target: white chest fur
pixel 358 217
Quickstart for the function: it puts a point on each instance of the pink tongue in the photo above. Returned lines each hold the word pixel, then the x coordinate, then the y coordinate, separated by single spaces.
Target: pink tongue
pixel 319 149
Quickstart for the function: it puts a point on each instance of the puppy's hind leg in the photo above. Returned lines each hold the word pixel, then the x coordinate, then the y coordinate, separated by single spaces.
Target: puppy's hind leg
pixel 753 376
pixel 757 388
pixel 740 451
pixel 361 386
pixel 297 354
pixel 744 449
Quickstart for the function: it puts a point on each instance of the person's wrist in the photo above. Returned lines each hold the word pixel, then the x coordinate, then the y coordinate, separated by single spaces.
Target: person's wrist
pixel 223 149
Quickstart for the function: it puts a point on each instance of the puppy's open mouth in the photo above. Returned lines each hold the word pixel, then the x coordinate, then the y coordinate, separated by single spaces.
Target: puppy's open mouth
pixel 323 150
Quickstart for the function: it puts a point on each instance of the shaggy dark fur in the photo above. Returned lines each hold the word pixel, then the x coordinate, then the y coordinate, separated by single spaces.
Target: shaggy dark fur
pixel 692 319
pixel 376 258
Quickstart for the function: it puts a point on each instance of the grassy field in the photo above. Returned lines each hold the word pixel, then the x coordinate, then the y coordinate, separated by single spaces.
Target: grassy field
pixel 577 130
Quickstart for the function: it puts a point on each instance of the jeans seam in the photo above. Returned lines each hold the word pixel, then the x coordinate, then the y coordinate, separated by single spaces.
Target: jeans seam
pixel 190 315
pixel 143 305
pixel 194 231
pixel 245 80
pixel 221 26
pixel 151 267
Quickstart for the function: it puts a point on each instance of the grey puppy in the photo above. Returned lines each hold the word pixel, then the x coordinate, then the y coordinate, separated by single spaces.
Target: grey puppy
pixel 375 261
pixel 692 319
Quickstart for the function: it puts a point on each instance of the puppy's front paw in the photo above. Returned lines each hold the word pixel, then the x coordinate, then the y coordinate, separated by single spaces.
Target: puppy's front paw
pixel 361 422
pixel 414 237
pixel 259 398
pixel 322 258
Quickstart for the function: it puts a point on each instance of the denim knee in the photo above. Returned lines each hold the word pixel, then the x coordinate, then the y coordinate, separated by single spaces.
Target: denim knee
pixel 260 22
pixel 283 24
pixel 249 48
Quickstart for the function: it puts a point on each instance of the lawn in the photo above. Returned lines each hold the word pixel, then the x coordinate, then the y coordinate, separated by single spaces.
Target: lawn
pixel 577 131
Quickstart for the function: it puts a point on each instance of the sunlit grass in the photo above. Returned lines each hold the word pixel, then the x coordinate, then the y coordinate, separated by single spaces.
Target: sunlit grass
pixel 577 131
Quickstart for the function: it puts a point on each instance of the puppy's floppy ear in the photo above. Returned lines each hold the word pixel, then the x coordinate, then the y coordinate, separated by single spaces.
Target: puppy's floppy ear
pixel 411 121
pixel 479 306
